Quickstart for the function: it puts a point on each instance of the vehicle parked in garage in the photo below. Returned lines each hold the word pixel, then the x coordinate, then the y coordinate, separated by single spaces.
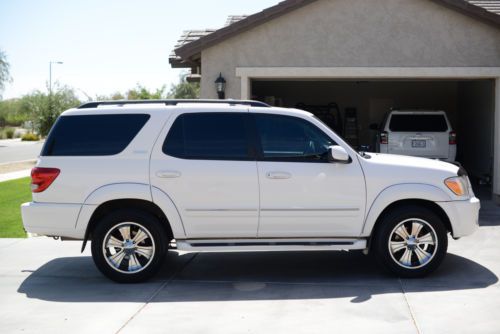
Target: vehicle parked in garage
pixel 420 133
pixel 132 176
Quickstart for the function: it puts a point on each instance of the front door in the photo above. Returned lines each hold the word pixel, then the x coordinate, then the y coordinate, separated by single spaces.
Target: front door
pixel 208 169
pixel 301 193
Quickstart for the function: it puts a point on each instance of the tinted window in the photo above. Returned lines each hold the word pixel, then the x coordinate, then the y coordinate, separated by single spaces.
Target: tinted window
pixel 418 123
pixel 291 138
pixel 92 134
pixel 213 136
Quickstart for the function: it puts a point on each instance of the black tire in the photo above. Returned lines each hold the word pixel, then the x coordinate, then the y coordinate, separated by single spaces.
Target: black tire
pixel 133 266
pixel 386 242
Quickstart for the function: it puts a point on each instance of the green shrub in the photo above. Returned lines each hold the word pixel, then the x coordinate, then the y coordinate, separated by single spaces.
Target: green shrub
pixel 30 137
pixel 9 133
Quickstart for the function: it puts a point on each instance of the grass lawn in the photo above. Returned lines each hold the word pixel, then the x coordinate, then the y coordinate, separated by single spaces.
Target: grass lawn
pixel 12 195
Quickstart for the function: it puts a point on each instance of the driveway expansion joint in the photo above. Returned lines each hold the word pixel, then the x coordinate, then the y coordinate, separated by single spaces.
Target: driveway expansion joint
pixel 157 291
pixel 413 318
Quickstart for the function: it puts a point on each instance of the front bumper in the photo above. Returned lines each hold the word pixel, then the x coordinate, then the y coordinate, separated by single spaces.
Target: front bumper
pixel 51 219
pixel 463 215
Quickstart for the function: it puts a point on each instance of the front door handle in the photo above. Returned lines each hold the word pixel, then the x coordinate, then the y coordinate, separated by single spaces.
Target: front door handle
pixel 168 174
pixel 278 175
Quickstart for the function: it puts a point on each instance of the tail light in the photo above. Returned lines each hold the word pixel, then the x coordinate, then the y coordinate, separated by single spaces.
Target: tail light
pixel 42 178
pixel 453 138
pixel 384 137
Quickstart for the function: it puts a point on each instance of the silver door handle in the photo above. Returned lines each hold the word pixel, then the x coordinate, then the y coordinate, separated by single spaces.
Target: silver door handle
pixel 278 175
pixel 168 174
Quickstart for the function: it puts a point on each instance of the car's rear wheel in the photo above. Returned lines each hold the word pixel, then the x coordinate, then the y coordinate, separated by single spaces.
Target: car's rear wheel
pixel 128 246
pixel 410 241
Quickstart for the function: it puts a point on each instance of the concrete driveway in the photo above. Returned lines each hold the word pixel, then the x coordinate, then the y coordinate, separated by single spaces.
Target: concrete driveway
pixel 47 286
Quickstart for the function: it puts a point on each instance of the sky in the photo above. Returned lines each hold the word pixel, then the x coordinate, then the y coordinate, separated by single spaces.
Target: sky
pixel 105 45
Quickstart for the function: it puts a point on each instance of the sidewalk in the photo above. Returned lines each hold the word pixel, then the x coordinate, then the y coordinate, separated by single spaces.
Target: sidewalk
pixel 15 170
pixel 15 175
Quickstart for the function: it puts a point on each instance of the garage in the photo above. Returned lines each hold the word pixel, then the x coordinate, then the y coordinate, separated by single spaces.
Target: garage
pixel 344 57
pixel 469 105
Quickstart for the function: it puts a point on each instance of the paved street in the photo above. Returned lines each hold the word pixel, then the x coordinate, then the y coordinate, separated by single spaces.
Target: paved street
pixel 16 150
pixel 47 286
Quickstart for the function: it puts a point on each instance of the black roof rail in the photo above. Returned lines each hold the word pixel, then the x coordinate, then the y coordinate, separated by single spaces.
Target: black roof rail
pixel 96 104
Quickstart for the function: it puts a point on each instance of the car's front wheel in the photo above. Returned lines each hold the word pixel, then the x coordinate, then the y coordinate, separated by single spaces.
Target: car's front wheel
pixel 410 241
pixel 128 246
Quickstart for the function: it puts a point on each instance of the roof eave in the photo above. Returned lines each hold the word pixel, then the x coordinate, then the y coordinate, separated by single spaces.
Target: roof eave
pixel 472 10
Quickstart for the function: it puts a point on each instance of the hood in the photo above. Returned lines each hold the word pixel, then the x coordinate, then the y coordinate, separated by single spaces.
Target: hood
pixel 415 163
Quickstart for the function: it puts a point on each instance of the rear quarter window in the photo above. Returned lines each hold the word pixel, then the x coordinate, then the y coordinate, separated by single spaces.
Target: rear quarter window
pixel 418 123
pixel 93 135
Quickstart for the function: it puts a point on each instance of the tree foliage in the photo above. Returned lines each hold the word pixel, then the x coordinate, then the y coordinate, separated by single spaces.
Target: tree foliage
pixel 39 110
pixel 184 89
pixel 42 109
pixel 142 93
pixel 4 71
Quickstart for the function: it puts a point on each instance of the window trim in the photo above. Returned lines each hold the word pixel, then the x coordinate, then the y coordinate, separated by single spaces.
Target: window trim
pixel 251 151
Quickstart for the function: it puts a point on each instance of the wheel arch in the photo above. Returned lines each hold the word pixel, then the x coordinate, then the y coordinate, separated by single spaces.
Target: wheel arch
pixel 406 194
pixel 432 206
pixel 129 195
pixel 129 203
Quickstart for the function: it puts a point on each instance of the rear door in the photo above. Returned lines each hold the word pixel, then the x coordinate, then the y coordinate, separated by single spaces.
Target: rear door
pixel 419 134
pixel 206 165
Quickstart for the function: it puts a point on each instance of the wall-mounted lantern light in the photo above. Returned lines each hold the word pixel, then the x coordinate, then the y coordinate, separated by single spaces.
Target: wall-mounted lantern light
pixel 220 86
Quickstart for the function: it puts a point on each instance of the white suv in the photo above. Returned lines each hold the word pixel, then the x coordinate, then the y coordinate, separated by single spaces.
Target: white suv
pixel 236 176
pixel 418 133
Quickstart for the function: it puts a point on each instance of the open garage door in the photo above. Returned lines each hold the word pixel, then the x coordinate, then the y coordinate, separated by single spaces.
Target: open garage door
pixel 348 104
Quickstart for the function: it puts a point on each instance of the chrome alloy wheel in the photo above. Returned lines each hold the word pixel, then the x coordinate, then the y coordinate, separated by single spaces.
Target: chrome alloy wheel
pixel 128 248
pixel 413 243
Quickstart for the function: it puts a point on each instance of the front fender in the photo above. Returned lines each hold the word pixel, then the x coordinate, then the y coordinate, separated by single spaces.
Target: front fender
pixel 400 192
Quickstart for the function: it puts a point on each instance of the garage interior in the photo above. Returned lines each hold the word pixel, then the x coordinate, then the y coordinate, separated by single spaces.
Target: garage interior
pixel 469 105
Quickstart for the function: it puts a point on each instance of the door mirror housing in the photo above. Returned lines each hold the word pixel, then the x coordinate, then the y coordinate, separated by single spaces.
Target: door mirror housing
pixel 337 154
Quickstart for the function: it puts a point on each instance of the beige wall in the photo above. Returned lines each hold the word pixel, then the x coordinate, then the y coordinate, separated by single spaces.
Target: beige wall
pixel 355 33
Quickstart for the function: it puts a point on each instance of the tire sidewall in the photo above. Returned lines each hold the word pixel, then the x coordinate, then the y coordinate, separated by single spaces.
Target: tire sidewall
pixel 387 225
pixel 109 221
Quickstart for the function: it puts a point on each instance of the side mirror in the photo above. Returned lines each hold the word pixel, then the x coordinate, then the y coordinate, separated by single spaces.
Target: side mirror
pixel 374 126
pixel 337 154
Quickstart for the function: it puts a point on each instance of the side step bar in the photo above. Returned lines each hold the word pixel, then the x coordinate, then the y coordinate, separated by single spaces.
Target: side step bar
pixel 267 245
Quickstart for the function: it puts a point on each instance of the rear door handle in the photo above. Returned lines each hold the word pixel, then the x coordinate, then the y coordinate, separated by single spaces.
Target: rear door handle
pixel 168 174
pixel 278 175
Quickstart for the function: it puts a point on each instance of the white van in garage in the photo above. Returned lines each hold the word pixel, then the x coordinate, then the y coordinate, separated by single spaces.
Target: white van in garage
pixel 420 133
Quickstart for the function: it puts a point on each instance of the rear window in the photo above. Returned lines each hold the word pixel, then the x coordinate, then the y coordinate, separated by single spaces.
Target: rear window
pixel 93 135
pixel 209 136
pixel 418 123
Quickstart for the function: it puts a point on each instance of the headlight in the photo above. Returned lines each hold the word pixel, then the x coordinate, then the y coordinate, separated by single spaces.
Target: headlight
pixel 458 185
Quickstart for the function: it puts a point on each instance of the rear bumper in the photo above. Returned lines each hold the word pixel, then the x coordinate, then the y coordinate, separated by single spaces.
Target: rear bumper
pixel 51 219
pixel 464 216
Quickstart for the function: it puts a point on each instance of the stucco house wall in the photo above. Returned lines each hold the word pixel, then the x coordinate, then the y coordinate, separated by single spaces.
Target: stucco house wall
pixel 355 33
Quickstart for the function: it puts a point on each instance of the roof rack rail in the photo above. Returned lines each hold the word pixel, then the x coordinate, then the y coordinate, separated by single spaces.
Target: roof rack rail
pixel 96 104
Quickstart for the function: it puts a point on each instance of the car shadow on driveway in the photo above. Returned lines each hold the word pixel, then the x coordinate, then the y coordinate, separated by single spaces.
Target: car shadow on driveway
pixel 248 276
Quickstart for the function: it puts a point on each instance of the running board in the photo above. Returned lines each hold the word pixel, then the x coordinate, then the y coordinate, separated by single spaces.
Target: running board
pixel 267 245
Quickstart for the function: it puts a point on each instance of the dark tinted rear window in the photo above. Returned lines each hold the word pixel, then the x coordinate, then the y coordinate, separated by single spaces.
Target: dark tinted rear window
pixel 418 123
pixel 93 135
pixel 212 136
